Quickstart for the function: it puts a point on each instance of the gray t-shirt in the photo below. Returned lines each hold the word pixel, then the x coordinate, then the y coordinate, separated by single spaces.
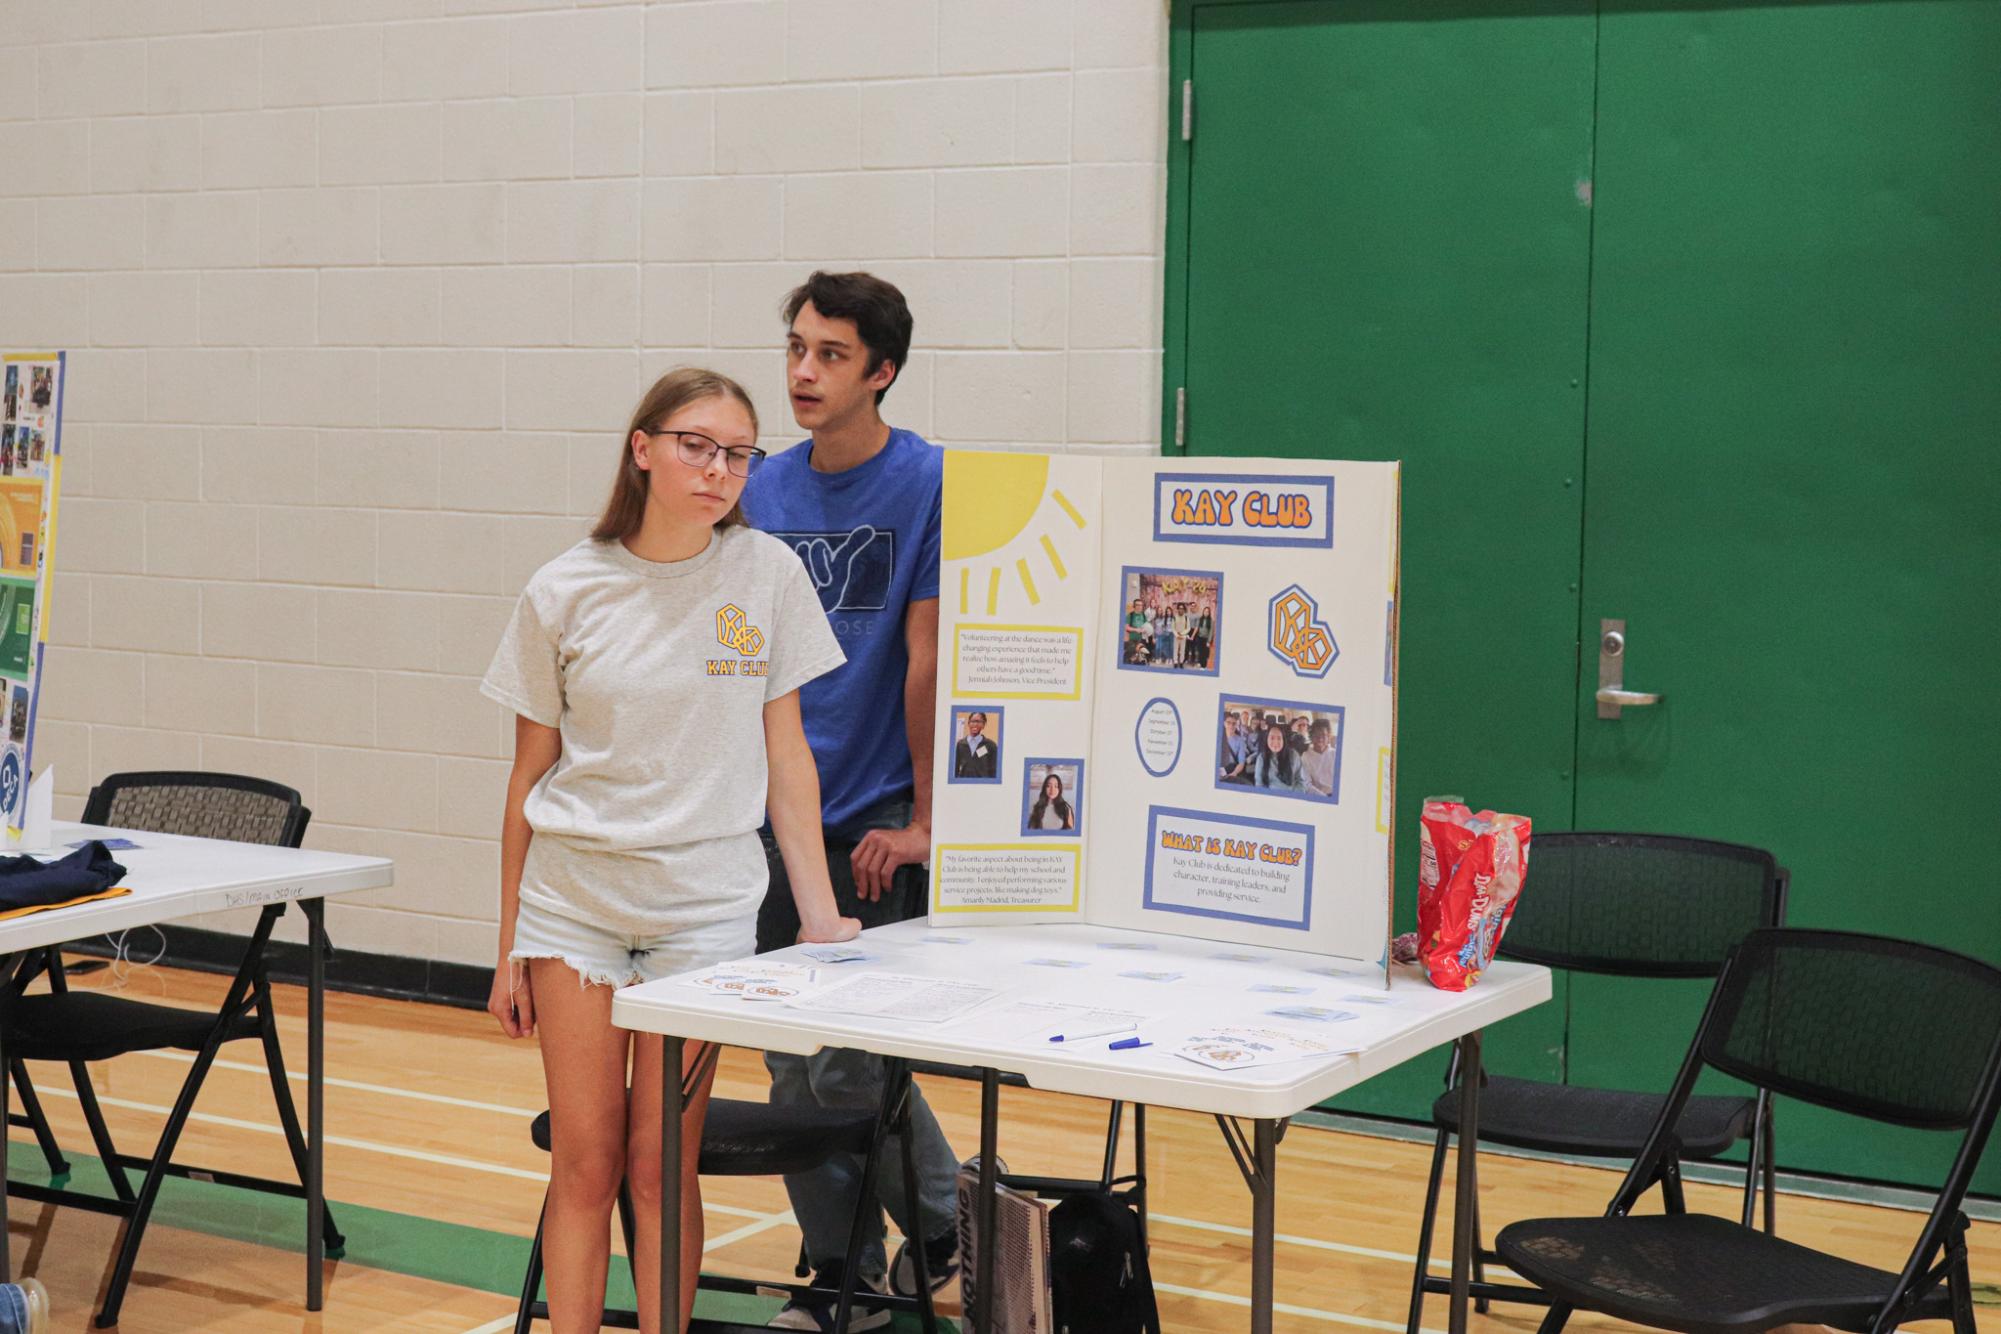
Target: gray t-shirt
pixel 657 674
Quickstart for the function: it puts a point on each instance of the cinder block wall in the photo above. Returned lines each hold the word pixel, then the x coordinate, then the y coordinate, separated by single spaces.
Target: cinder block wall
pixel 359 293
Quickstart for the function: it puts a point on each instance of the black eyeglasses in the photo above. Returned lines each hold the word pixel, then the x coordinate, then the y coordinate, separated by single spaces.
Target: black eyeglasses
pixel 695 449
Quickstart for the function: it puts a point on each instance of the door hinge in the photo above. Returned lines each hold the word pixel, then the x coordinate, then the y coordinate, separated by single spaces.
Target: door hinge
pixel 1181 418
pixel 1187 110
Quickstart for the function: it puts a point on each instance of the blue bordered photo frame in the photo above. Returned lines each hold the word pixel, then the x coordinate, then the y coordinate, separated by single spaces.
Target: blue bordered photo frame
pixel 1303 831
pixel 1339 713
pixel 996 718
pixel 1118 636
pixel 1072 792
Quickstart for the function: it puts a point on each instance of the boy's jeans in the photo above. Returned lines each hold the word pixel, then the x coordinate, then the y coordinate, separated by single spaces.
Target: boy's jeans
pixel 824 1199
pixel 14 1312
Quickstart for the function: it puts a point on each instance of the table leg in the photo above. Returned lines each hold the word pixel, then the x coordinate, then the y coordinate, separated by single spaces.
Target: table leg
pixel 988 1212
pixel 316 1078
pixel 671 1107
pixel 1464 1199
pixel 1264 1221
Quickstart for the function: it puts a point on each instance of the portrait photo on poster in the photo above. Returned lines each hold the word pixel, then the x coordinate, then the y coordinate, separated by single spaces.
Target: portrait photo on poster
pixel 1169 620
pixel 1052 797
pixel 976 743
pixel 1280 748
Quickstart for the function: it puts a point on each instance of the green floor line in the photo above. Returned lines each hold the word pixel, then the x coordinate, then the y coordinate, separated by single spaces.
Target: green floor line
pixel 450 1253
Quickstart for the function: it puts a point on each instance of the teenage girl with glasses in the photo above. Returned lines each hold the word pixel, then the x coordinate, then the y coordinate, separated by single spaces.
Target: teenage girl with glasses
pixel 654 669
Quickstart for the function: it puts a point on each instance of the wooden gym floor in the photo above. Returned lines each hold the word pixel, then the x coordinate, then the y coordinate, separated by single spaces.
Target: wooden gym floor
pixel 434 1180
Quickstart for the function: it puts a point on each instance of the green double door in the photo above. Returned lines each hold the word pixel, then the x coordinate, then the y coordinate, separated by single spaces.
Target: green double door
pixel 1686 316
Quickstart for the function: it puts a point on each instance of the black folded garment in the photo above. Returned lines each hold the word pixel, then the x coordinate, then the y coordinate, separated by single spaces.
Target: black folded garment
pixel 27 883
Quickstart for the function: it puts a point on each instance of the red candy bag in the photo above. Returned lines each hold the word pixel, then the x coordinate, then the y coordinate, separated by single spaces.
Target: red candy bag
pixel 1469 873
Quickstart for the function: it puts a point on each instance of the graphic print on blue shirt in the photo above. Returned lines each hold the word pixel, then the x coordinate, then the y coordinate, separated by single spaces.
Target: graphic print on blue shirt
pixel 869 539
pixel 853 570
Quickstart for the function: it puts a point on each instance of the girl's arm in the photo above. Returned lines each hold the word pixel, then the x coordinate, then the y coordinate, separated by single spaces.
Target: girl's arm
pixel 535 750
pixel 793 805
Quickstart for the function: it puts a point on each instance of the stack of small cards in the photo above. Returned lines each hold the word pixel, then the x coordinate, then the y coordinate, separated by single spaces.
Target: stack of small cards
pixel 754 979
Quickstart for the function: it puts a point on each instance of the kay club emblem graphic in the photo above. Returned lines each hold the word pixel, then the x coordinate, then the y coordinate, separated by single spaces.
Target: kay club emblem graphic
pixel 734 631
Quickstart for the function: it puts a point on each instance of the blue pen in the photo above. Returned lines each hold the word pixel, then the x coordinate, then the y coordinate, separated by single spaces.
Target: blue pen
pixel 1127 1044
pixel 1093 1033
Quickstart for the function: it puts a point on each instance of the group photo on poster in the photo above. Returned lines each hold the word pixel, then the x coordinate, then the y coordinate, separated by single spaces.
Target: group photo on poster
pixel 1280 747
pixel 1170 620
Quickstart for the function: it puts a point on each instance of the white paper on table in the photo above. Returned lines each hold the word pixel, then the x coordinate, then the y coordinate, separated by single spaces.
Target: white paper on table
pixel 1240 1046
pixel 1034 1022
pixel 922 1000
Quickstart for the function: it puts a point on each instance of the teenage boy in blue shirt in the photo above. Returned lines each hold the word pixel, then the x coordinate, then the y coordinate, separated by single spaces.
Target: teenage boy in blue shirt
pixel 860 502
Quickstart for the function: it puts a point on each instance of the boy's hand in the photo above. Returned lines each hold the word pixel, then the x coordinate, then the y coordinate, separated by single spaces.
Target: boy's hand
pixel 879 854
pixel 831 932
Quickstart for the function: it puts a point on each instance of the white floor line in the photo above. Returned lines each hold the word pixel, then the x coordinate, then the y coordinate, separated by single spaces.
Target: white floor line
pixel 1315 1243
pixel 505 1322
pixel 369 1146
pixel 1285 1308
pixel 186 1058
pixel 764 1224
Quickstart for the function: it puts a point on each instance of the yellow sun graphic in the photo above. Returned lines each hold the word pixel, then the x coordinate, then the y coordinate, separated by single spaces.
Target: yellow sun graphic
pixel 990 500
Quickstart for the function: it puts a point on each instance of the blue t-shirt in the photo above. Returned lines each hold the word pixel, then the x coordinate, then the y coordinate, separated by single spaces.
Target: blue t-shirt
pixel 869 539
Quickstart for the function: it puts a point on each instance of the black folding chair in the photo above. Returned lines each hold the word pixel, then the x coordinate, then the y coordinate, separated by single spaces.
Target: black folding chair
pixel 1629 905
pixel 1883 1029
pixel 762 1139
pixel 76 1027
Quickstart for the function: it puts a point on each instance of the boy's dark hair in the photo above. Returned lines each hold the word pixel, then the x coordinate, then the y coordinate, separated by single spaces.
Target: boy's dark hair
pixel 881 315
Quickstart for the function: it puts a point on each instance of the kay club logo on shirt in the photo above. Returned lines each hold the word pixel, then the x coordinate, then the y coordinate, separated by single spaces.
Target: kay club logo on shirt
pixel 734 631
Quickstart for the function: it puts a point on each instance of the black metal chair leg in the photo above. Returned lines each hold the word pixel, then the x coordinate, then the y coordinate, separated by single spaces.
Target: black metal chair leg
pixel 524 1319
pixel 864 1215
pixel 1554 1321
pixel 1771 1177
pixel 1479 1254
pixel 288 1113
pixel 1959 1281
pixel 38 1121
pixel 1671 1194
pixel 628 1220
pixel 920 1262
pixel 100 1133
pixel 149 1190
pixel 1424 1228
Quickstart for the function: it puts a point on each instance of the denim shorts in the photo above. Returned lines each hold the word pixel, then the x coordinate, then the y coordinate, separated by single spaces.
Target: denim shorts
pixel 602 957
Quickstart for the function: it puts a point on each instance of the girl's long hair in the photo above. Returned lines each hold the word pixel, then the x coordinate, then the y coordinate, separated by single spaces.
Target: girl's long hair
pixel 1042 800
pixel 673 391
pixel 1283 762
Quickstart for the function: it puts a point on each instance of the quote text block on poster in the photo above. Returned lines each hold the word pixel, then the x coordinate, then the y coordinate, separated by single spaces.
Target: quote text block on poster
pixel 1005 877
pixel 1018 662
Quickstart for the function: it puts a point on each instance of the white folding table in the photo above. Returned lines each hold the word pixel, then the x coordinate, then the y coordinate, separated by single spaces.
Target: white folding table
pixel 171 877
pixel 1411 1018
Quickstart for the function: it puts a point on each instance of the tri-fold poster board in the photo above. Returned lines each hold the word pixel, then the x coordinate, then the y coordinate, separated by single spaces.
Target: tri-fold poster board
pixel 31 414
pixel 1167 698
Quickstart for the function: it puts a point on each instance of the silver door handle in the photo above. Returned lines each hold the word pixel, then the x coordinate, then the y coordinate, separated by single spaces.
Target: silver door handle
pixel 1612 694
